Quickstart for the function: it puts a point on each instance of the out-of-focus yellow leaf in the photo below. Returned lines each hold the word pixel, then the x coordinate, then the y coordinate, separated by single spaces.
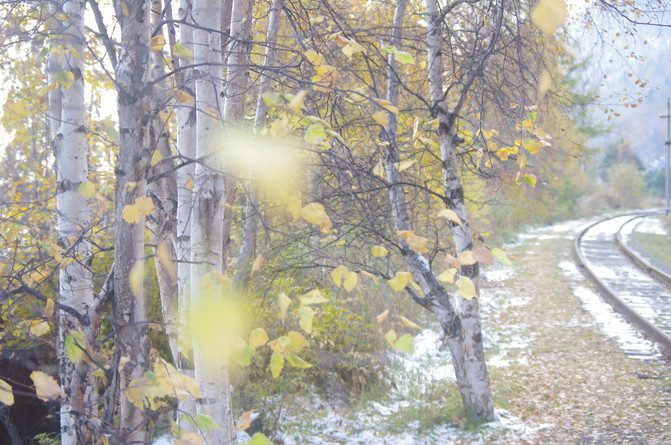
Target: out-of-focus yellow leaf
pixel 136 277
pixel 383 316
pixel 448 275
pixel 131 214
pixel 156 158
pixel 400 280
pixel 381 118
pixel 294 206
pixel 283 302
pixel 258 337
pixel 87 189
pixel 297 362
pixel 182 96
pixel 466 258
pixel 314 213
pixel 313 57
pixel 6 394
pixel 451 215
pixel 182 52
pixel 530 179
pixel 391 337
pixel 501 256
pixel 245 421
pixel 258 263
pixel 387 105
pixel 157 42
pixel 548 15
pixel 298 101
pixel 144 205
pixel 405 343
pixel 379 251
pixel 46 387
pixel 409 323
pixel 299 341
pixel 338 273
pixel 39 328
pixel 351 280
pixel 313 297
pixel 404 165
pixel 378 170
pixel 325 79
pixel 544 84
pixel 306 315
pixel 466 288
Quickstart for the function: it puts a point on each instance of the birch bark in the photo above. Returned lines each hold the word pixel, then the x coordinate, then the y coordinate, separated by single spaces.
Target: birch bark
pixel 208 209
pixel 245 257
pixel 67 121
pixel 129 316
pixel 475 392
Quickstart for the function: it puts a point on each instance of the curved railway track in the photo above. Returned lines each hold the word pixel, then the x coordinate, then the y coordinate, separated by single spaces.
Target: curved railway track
pixel 627 279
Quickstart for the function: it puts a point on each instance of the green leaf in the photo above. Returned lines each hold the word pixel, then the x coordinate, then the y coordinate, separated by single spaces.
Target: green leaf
pixel 405 343
pixel 182 52
pixel 530 179
pixel 501 256
pixel 259 439
pixel 73 351
pixel 403 57
pixel 271 98
pixel 315 134
pixel 276 364
pixel 297 362
pixel 379 251
pixel 205 422
pixel 87 189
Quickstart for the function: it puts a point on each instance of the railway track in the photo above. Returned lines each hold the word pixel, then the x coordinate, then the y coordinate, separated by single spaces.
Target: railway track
pixel 629 280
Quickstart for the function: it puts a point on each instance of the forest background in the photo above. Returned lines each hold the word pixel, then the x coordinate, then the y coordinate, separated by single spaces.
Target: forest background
pixel 278 190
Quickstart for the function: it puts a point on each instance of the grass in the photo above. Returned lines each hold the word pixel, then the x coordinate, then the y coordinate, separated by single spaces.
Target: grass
pixel 659 246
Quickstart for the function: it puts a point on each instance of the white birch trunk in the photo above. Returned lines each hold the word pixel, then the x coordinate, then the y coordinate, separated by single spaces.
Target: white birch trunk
pixel 68 120
pixel 129 314
pixel 251 229
pixel 208 210
pixel 186 148
pixel 476 393
pixel 161 224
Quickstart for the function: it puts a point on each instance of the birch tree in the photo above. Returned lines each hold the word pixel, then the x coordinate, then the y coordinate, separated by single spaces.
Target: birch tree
pixel 208 210
pixel 67 122
pixel 129 312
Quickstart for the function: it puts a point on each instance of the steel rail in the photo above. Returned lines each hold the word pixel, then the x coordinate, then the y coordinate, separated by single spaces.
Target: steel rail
pixel 650 330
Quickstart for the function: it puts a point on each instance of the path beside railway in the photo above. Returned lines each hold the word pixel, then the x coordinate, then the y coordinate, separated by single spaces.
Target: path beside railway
pixel 572 373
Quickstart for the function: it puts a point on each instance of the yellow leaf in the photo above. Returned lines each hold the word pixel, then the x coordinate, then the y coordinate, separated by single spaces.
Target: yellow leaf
pixel 276 364
pixel 501 256
pixel 306 315
pixel 400 280
pixel 325 79
pixel 548 15
pixel 544 84
pixel 298 340
pixel 46 387
pixel 379 251
pixel 466 258
pixel 466 288
pixel 258 263
pixel 294 206
pixel 283 302
pixel 189 182
pixel 387 105
pixel 338 273
pixel 503 153
pixel 131 214
pixel 39 328
pixel 6 394
pixel 87 189
pixel 391 337
pixel 157 42
pixel 313 297
pixel 156 158
pixel 182 96
pixel 49 308
pixel 378 170
pixel 452 261
pixel 448 275
pixel 351 281
pixel 381 118
pixel 417 243
pixel 451 215
pixel 358 95
pixel 144 205
pixel 530 179
pixel 383 316
pixel 314 213
pixel 245 421
pixel 409 323
pixel 298 101
pixel 313 57
pixel 404 165
pixel 136 277
pixel 258 338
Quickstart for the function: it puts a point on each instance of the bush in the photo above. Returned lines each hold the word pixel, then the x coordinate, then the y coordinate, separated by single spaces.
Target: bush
pixel 626 185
